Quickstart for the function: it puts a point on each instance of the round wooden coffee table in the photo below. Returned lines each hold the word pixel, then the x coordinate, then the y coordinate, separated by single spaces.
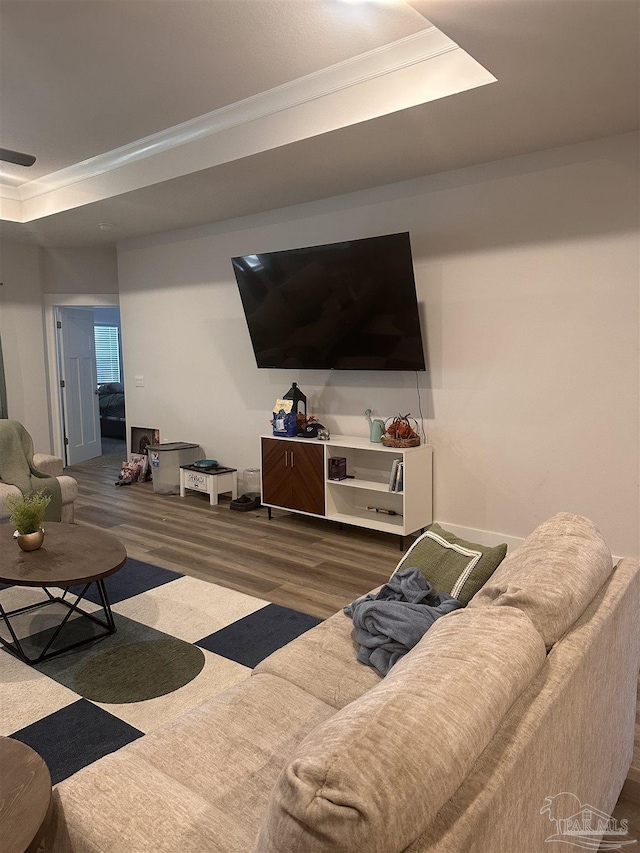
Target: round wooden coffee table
pixel 25 797
pixel 71 555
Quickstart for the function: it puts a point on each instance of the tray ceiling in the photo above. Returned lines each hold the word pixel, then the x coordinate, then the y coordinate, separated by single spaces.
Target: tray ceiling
pixel 192 111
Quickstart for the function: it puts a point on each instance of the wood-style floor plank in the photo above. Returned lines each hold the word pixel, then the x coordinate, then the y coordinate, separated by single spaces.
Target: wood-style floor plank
pixel 305 563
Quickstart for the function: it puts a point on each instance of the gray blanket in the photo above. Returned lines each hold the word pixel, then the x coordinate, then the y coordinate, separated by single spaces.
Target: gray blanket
pixel 390 622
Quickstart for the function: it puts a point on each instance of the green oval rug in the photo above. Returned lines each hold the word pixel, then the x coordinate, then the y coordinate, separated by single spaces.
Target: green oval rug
pixel 137 671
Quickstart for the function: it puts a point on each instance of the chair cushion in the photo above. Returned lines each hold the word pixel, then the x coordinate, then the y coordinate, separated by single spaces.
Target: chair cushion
pixel 373 776
pixel 553 576
pixel 451 564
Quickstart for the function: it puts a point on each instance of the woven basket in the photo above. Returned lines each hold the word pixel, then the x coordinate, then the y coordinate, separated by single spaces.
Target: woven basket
pixel 407 425
pixel 400 442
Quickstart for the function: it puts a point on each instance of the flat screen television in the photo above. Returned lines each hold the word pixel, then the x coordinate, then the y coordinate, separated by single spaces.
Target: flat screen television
pixel 340 306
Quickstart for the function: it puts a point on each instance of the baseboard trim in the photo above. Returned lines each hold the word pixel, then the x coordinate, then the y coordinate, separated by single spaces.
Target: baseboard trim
pixel 483 537
pixel 488 537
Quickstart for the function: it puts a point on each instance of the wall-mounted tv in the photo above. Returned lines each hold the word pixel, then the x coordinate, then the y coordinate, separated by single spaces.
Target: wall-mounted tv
pixel 340 306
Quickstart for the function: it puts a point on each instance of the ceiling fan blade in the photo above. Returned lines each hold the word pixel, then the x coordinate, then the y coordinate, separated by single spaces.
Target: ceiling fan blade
pixel 16 157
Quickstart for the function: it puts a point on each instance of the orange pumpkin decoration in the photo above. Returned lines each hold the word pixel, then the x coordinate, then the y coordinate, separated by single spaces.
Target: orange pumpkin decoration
pixel 400 429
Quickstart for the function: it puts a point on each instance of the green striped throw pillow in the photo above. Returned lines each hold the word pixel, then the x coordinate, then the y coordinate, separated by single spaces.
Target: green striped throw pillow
pixel 451 564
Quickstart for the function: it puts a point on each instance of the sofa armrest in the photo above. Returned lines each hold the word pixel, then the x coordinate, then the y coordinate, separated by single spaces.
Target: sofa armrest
pixel 68 490
pixel 5 490
pixel 51 465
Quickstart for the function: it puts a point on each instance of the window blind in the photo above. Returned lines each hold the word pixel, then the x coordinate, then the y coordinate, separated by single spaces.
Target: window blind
pixel 107 353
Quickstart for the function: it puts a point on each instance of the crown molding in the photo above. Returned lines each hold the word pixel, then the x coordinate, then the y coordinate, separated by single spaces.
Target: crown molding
pixel 10 206
pixel 8 191
pixel 89 180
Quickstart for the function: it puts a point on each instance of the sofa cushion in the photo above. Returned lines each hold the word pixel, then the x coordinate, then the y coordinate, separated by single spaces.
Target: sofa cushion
pixel 451 564
pixel 373 776
pixel 198 784
pixel 323 662
pixel 553 576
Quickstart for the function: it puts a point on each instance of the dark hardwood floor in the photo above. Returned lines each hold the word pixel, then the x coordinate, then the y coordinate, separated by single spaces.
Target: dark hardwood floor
pixel 304 563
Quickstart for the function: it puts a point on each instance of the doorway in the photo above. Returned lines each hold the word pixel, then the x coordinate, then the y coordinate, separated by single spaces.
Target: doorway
pixel 84 351
pixel 108 345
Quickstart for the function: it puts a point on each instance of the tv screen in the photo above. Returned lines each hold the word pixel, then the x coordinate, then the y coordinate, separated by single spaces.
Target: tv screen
pixel 341 306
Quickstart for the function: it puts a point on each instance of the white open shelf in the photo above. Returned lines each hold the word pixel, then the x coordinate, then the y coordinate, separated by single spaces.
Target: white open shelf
pixel 370 465
pixel 371 520
pixel 370 485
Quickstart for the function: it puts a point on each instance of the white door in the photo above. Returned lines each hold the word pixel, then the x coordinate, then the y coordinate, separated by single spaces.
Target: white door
pixel 79 385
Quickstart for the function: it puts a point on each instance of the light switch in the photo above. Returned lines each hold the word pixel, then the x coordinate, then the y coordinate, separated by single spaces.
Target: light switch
pixel 139 381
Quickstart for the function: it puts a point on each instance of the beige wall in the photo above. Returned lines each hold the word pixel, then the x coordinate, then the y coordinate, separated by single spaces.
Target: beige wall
pixel 28 272
pixel 21 331
pixel 527 271
pixel 92 269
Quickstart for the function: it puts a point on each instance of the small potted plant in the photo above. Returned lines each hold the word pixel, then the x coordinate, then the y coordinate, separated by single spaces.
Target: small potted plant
pixel 26 515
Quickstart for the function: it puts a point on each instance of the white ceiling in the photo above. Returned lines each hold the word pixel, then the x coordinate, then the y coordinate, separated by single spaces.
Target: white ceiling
pixel 80 78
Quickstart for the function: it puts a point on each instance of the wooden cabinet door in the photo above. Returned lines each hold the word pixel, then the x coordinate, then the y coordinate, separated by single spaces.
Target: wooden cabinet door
pixel 307 468
pixel 293 475
pixel 277 485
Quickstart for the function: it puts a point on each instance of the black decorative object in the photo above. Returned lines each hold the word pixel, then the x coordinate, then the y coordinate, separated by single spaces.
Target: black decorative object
pixel 245 503
pixel 337 468
pixel 310 430
pixel 296 395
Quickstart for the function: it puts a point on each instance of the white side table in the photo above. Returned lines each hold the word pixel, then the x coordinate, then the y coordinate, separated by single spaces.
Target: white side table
pixel 213 482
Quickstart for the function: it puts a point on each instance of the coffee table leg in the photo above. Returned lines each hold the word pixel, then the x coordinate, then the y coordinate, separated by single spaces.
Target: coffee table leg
pixel 14 636
pixel 17 649
pixel 106 606
pixel 71 607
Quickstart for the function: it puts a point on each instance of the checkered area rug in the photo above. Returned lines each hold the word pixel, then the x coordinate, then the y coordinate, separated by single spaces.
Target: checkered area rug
pixel 179 641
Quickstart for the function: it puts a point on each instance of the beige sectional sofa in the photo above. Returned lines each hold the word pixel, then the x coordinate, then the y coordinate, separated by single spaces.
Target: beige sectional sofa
pixel 527 693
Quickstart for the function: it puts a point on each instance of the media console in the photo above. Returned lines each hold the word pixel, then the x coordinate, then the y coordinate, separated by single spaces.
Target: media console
pixel 295 476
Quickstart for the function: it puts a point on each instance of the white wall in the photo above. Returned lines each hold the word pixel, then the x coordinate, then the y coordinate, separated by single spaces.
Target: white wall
pixel 90 269
pixel 21 332
pixel 527 272
pixel 28 272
